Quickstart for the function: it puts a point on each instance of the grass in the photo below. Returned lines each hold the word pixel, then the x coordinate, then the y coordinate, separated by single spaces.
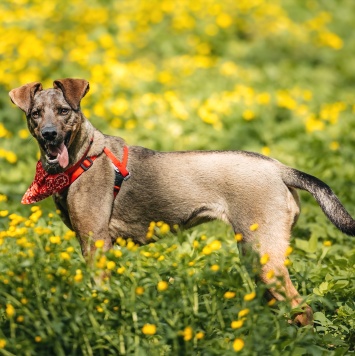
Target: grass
pixel 271 77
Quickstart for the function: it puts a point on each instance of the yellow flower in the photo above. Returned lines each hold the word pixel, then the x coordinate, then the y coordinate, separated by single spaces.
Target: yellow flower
pixel 188 333
pixel 64 256
pixel 236 324
pixel 288 251
pixel 334 145
pixel 4 213
pixel 243 313
pixel 38 339
pixel 110 265
pixel 254 227
pixel 99 243
pixel 229 295
pixel 20 319
pixel 270 274
pixel 195 244
pixel 264 259
pixel 162 286
pixel 10 310
pixel 117 253
pixel 55 240
pixel 207 250
pixel 238 237
pixel 224 20
pixel 164 229
pixel 327 243
pixel 248 115
pixel 214 268
pixel 200 335
pixel 149 329
pixel 271 302
pixel 250 296
pixel 265 151
pixel 2 343
pixel 287 262
pixel 120 270
pixel 215 245
pixel 139 290
pixel 238 345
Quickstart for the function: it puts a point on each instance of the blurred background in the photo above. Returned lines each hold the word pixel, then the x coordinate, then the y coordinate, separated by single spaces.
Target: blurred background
pixel 276 77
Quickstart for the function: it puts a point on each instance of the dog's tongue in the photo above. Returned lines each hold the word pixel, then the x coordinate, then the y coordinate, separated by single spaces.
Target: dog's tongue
pixel 63 157
pixel 62 154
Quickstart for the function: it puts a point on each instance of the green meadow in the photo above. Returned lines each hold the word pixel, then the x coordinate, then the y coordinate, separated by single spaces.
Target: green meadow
pixel 274 77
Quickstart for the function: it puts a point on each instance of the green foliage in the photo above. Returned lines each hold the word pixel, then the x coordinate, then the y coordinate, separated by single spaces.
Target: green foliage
pixel 268 76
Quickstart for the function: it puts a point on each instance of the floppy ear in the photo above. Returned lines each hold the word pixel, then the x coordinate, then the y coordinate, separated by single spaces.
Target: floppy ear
pixel 73 90
pixel 23 96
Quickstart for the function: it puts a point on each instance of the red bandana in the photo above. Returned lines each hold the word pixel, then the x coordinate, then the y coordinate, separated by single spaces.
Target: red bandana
pixel 45 185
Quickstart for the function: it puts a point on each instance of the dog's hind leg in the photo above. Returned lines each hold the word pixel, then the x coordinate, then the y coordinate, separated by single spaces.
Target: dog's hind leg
pixel 273 244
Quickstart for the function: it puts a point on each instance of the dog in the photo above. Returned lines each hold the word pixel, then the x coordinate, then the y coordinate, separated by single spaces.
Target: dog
pixel 83 170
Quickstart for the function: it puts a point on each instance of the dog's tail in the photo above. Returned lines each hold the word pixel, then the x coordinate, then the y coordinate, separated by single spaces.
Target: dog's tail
pixel 328 201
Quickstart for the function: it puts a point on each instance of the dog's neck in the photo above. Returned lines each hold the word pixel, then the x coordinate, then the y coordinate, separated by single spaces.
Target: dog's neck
pixel 81 142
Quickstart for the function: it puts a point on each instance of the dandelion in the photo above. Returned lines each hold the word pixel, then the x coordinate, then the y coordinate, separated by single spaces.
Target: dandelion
pixel 10 310
pixel 55 240
pixel 287 262
pixel 78 276
pixel 250 296
pixel 200 335
pixel 288 251
pixel 327 243
pixel 238 345
pixel 188 333
pixel 215 245
pixel 38 339
pixel 195 244
pixel 207 250
pixel 238 237
pixel 99 243
pixel 248 115
pixel 117 253
pixel 120 270
pixel 271 302
pixel 264 259
pixel 254 227
pixel 214 268
pixel 149 329
pixel 237 324
pixel 162 286
pixel 334 145
pixel 64 256
pixel 229 295
pixel 139 290
pixel 2 343
pixel 110 265
pixel 161 258
pixel 243 313
pixel 270 274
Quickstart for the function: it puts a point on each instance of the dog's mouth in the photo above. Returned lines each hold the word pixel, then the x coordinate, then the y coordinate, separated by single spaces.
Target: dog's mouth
pixel 58 153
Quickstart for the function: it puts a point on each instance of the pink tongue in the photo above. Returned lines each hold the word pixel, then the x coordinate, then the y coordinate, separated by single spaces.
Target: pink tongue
pixel 63 157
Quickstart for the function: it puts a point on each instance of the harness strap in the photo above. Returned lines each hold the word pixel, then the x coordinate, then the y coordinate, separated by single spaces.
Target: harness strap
pixel 121 172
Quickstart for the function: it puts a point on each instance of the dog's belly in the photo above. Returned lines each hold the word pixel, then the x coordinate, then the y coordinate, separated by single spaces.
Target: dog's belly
pixel 186 189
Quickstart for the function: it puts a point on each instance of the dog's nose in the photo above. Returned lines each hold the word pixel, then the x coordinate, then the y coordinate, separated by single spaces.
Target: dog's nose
pixel 49 133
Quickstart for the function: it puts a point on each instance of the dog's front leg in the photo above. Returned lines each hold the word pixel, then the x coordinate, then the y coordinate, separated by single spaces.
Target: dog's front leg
pixel 89 216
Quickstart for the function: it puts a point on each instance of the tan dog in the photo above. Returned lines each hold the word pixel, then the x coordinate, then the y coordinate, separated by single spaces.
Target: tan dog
pixel 179 188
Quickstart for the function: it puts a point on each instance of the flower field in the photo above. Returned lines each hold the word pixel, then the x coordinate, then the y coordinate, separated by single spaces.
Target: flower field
pixel 274 77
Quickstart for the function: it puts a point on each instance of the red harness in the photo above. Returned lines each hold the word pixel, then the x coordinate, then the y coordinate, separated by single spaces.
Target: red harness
pixel 45 184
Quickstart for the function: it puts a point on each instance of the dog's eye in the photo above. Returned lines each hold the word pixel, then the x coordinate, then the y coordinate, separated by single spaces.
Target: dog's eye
pixel 35 114
pixel 63 111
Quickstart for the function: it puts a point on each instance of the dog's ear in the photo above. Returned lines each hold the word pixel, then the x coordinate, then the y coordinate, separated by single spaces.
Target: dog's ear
pixel 23 96
pixel 73 90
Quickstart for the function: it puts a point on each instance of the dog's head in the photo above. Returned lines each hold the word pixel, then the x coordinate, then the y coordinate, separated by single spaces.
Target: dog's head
pixel 53 117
